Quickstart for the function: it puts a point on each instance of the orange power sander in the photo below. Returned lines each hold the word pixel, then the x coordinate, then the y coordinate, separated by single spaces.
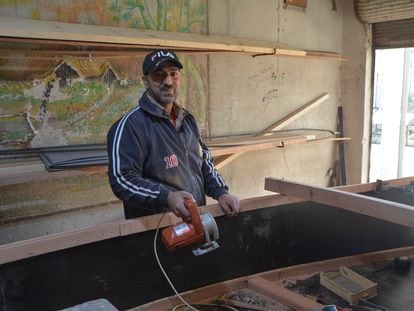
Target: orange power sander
pixel 200 229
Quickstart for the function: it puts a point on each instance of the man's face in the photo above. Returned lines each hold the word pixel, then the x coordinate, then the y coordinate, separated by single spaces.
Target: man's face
pixel 163 84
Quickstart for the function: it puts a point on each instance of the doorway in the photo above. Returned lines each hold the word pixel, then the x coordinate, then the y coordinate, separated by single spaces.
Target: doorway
pixel 392 138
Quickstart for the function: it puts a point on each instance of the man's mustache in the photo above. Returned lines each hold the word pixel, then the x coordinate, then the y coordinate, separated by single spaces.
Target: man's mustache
pixel 166 87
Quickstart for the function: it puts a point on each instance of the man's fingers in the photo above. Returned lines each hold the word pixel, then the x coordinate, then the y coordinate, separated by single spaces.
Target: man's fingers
pixel 184 213
pixel 176 203
pixel 226 209
pixel 229 204
pixel 187 195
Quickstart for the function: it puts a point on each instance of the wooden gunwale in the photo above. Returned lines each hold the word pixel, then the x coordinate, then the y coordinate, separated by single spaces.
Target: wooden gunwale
pixel 54 242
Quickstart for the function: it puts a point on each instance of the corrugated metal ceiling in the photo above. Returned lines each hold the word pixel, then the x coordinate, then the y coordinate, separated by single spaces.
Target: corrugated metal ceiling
pixel 376 11
pixel 395 34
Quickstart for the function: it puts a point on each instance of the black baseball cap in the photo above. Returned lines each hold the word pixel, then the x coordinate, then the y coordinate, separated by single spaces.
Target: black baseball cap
pixel 154 60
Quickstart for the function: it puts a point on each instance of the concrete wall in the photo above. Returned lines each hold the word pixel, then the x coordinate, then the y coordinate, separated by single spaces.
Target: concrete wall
pixel 246 95
pixel 356 94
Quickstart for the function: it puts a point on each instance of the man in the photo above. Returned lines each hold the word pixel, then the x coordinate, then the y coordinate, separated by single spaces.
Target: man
pixel 157 158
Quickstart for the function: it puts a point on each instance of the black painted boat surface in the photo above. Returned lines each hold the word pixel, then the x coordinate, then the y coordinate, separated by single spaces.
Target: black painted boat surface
pixel 124 271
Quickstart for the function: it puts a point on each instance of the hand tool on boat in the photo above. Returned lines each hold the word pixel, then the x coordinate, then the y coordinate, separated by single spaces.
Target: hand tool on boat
pixel 369 306
pixel 201 228
pixel 222 300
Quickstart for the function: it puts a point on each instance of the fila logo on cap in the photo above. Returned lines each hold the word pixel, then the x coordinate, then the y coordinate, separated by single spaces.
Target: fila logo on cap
pixel 162 54
pixel 154 59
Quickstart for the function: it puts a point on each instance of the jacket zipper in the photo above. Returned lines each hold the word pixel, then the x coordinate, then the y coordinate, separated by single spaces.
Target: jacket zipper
pixel 188 167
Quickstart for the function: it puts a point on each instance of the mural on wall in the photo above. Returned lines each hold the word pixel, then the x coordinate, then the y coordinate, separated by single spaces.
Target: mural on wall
pixel 56 96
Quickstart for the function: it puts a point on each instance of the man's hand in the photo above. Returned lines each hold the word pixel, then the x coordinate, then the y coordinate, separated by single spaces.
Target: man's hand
pixel 175 200
pixel 229 204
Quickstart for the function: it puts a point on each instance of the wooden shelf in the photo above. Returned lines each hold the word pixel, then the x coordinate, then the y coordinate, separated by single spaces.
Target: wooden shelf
pixel 34 171
pixel 12 29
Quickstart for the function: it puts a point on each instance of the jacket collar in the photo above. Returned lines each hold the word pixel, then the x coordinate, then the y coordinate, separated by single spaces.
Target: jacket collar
pixel 153 107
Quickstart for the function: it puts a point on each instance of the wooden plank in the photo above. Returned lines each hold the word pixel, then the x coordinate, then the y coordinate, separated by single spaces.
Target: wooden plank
pixel 278 126
pixel 49 30
pixel 36 29
pixel 324 55
pixel 299 3
pixel 36 173
pixel 402 214
pixel 146 223
pixel 54 242
pixel 398 182
pixel 283 295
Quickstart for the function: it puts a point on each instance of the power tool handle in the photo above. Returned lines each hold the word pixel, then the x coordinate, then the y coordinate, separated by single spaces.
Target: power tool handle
pixel 191 206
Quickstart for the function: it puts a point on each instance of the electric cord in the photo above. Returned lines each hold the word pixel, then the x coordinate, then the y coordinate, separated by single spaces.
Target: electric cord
pixel 168 279
pixel 331 133
pixel 178 308
pixel 162 268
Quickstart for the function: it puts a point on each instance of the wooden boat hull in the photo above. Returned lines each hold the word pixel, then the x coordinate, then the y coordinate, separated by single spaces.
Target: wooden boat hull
pixel 124 271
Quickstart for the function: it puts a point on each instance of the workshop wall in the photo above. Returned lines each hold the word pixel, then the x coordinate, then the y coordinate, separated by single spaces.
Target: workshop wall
pixel 249 94
pixel 61 100
pixel 241 94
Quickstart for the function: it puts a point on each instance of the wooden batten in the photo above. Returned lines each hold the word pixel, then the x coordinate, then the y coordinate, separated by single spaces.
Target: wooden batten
pixel 19 28
pixel 398 213
pixel 283 295
pixel 294 115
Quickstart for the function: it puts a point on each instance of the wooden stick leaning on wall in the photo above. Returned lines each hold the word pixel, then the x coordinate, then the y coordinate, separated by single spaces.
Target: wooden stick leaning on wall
pixel 398 213
pixel 277 126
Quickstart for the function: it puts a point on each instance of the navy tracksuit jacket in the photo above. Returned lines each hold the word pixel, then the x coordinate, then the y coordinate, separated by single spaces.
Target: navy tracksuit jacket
pixel 148 158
